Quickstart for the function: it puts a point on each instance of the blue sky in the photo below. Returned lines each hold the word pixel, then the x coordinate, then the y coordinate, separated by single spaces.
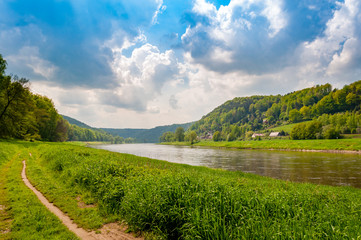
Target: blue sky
pixel 141 64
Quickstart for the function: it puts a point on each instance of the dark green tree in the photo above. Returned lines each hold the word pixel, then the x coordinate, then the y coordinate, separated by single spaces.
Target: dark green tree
pixel 216 136
pixel 179 134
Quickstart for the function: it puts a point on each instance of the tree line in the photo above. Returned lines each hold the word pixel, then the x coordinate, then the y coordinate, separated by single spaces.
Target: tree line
pixel 328 126
pixel 179 136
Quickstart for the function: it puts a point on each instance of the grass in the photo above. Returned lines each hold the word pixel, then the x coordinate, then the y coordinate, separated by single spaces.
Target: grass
pixel 177 201
pixel 24 216
pixel 353 144
pixel 286 128
pixel 171 201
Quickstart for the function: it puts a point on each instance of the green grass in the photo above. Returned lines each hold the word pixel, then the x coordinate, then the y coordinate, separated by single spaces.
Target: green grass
pixel 353 144
pixel 286 128
pixel 24 216
pixel 186 202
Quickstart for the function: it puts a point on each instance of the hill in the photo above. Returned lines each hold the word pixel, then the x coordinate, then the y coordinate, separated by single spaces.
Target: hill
pixel 84 132
pixel 76 122
pixel 146 135
pixel 235 118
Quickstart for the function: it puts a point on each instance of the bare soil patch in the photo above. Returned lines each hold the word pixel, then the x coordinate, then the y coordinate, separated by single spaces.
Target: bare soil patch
pixel 82 204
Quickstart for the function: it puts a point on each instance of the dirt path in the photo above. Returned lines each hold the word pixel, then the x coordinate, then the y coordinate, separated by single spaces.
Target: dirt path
pixel 108 231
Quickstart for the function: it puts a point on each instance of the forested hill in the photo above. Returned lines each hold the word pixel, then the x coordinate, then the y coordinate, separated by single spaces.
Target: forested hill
pixel 146 135
pixel 76 122
pixel 236 117
pixel 81 131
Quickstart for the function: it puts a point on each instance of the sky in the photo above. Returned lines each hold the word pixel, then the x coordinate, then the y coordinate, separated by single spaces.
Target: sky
pixel 147 63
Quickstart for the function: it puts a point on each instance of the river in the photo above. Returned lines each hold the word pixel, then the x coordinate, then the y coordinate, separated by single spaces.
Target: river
pixel 320 168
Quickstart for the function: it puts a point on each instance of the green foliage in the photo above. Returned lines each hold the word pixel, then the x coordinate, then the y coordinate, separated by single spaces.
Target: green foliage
pixel 192 136
pixel 167 137
pixel 179 134
pixel 25 115
pixel 309 130
pixel 330 132
pixel 258 113
pixel 217 136
pixel 295 116
pixel 231 137
pixel 76 133
pixel 26 216
pixel 328 126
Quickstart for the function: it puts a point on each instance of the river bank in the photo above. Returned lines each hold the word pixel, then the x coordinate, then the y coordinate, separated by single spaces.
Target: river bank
pixel 315 145
pixel 175 201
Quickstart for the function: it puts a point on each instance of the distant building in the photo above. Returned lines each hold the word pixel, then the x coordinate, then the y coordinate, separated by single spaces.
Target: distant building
pixel 207 136
pixel 275 134
pixel 257 135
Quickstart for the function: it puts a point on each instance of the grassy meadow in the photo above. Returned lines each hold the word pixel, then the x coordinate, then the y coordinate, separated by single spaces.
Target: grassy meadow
pixel 170 201
pixel 349 144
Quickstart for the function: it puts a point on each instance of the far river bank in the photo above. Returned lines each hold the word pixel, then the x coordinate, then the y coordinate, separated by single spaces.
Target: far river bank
pixel 348 146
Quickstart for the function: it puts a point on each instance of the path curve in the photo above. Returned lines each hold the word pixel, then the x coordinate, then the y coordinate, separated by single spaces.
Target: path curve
pixel 108 231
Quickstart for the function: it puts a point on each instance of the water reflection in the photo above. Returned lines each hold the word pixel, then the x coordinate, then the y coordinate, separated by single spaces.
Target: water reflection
pixel 321 168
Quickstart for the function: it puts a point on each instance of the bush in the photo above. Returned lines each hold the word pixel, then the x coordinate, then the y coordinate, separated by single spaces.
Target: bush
pixel 329 132
pixel 309 130
pixel 231 137
pixel 217 136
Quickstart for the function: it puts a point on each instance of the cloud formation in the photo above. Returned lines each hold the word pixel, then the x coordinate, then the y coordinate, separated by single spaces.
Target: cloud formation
pixel 154 62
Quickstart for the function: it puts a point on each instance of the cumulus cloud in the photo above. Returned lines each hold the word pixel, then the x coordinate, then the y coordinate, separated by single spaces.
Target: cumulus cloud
pixel 335 54
pixel 144 63
pixel 253 37
pixel 140 77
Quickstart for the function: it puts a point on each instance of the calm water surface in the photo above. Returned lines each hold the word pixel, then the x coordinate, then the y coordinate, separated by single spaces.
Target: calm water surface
pixel 320 168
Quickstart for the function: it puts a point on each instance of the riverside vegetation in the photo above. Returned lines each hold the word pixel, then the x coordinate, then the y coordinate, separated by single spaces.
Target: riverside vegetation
pixel 22 216
pixel 173 201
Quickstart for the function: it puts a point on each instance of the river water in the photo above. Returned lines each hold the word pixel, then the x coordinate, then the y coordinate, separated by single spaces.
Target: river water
pixel 321 168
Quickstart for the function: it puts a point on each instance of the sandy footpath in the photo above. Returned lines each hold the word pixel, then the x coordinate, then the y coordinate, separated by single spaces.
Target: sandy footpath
pixel 108 231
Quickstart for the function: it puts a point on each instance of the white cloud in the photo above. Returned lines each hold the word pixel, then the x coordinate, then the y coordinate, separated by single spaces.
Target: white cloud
pixel 202 7
pixel 276 17
pixel 29 57
pixel 336 54
pixel 160 9
pixel 152 87
pixel 231 41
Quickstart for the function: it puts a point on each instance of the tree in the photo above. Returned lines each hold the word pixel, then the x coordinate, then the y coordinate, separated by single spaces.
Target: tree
pixel 295 116
pixel 61 131
pixel 231 137
pixel 167 137
pixel 329 132
pixel 216 136
pixel 306 112
pixel 16 107
pixel 192 136
pixel 179 134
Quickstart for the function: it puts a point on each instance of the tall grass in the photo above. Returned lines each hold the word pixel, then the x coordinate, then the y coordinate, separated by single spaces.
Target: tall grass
pixel 184 202
pixel 25 217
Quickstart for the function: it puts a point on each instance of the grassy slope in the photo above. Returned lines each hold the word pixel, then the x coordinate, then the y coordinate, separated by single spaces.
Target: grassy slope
pixel 287 128
pixel 189 202
pixel 317 144
pixel 25 217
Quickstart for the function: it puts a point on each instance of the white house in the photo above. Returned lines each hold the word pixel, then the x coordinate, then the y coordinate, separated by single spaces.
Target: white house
pixel 274 134
pixel 257 135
